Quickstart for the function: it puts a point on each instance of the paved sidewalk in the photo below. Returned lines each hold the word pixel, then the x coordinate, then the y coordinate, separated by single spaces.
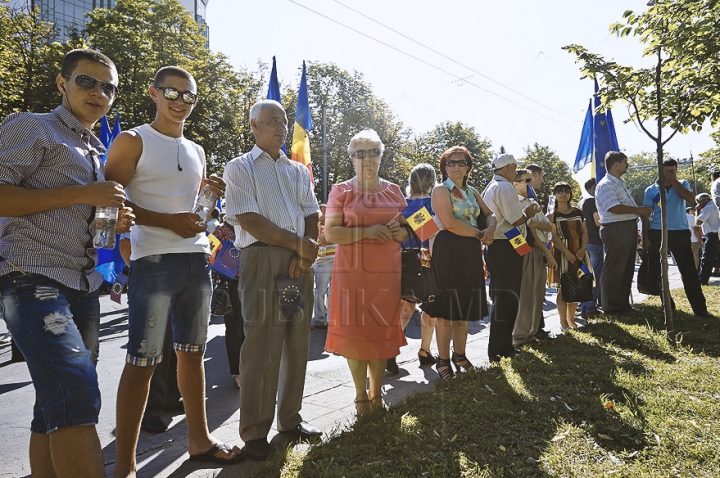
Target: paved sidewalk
pixel 328 401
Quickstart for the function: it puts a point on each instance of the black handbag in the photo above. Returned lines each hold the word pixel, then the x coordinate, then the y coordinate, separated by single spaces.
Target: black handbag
pixel 576 289
pixel 648 278
pixel 419 281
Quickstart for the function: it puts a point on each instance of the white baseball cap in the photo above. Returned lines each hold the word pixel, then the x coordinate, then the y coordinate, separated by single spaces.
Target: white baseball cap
pixel 503 160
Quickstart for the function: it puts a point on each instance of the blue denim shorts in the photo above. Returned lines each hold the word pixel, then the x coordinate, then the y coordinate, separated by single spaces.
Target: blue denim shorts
pixel 56 329
pixel 164 286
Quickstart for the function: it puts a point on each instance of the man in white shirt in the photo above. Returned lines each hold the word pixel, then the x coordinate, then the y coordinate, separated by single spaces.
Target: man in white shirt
pixel 504 263
pixel 272 206
pixel 618 214
pixel 709 219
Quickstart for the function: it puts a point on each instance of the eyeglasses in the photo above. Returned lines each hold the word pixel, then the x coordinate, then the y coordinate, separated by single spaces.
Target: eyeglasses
pixel 361 153
pixel 451 163
pixel 172 94
pixel 275 122
pixel 526 180
pixel 87 83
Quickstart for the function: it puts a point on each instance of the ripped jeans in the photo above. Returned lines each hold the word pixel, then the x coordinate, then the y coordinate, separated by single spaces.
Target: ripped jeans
pixel 56 328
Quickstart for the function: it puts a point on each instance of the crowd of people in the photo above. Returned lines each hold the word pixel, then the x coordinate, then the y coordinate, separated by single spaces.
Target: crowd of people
pixel 343 258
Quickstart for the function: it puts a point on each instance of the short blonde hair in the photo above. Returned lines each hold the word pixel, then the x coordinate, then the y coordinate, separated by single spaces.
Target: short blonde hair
pixel 365 136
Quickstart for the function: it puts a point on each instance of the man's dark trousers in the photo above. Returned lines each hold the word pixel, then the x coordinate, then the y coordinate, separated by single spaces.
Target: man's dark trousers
pixel 505 267
pixel 680 247
pixel 709 256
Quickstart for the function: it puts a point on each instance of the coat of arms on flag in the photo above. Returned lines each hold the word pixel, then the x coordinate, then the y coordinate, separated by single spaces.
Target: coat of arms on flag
pixel 518 241
pixel 420 219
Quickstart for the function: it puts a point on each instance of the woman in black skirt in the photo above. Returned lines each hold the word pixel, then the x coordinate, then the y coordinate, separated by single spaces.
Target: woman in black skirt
pixel 457 257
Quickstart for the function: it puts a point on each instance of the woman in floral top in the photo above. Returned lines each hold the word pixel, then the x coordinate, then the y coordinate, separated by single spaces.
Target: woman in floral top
pixel 457 257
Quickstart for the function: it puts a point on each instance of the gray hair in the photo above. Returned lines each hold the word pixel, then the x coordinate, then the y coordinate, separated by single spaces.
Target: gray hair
pixel 257 108
pixel 703 198
pixel 422 180
pixel 365 136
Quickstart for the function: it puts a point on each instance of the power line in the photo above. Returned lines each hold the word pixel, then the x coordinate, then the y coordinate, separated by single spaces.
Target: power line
pixel 455 61
pixel 431 65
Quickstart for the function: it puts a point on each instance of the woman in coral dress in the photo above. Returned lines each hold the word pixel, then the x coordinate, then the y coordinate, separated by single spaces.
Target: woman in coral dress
pixel 363 219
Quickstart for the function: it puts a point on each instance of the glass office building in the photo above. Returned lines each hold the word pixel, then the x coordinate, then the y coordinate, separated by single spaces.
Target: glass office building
pixel 67 14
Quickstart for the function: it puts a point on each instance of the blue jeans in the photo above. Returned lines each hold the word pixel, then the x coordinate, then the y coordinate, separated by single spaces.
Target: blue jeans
pixel 56 328
pixel 164 286
pixel 709 256
pixel 595 251
pixel 323 273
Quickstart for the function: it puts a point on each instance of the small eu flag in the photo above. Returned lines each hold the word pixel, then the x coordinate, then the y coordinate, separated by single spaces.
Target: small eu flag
pixel 291 299
pixel 518 241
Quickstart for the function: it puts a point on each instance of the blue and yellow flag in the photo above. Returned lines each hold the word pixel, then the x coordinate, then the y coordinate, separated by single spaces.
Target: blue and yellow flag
pixel 582 270
pixel 518 241
pixel 303 124
pixel 656 200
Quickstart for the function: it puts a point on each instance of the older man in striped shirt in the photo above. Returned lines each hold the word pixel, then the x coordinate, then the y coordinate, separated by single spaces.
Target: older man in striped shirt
pixel 272 206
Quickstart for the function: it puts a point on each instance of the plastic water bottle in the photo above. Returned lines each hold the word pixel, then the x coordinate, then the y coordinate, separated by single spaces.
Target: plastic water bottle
pixel 551 205
pixel 206 201
pixel 104 227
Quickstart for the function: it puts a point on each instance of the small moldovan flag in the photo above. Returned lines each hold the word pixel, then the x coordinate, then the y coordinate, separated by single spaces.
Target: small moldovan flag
pixel 518 241
pixel 214 243
pixel 582 270
pixel 420 219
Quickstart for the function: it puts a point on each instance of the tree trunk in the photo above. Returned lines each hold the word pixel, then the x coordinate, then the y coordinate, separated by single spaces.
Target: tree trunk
pixel 667 299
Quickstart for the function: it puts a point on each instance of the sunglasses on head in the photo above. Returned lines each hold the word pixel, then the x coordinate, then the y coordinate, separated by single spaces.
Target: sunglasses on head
pixel 87 83
pixel 172 94
pixel 451 163
pixel 361 153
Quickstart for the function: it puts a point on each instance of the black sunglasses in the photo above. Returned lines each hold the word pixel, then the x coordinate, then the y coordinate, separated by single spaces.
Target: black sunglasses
pixel 526 180
pixel 563 190
pixel 451 163
pixel 372 152
pixel 172 94
pixel 87 83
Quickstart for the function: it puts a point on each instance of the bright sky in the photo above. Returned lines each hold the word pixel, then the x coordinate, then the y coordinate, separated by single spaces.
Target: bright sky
pixel 509 49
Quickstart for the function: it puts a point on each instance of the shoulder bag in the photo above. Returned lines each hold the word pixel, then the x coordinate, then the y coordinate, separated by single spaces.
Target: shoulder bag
pixel 419 279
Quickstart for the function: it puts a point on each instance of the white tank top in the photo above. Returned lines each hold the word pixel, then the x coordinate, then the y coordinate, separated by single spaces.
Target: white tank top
pixel 159 186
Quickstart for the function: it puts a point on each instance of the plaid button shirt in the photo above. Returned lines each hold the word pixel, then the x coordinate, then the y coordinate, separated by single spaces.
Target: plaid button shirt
pixel 44 151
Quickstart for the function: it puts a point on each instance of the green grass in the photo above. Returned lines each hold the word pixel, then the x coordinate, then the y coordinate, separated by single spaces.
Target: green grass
pixel 611 399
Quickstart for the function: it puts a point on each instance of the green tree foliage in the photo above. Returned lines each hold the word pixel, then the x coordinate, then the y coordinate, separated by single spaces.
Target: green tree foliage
pixel 350 106
pixel 429 147
pixel 29 61
pixel 142 36
pixel 554 170
pixel 710 159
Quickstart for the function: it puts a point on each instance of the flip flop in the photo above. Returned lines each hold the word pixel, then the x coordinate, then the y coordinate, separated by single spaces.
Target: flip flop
pixel 210 455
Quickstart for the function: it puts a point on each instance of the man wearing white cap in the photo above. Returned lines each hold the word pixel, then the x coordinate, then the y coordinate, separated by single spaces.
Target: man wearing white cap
pixel 504 263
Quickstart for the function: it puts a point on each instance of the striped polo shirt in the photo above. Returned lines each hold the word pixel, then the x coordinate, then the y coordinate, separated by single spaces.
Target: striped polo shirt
pixel 280 191
pixel 44 151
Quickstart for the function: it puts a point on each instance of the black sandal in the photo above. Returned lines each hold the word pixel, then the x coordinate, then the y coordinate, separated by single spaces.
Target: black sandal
pixel 427 359
pixel 460 360
pixel 444 369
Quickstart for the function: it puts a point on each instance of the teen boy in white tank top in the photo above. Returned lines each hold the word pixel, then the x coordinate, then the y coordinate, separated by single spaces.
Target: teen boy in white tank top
pixel 163 172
